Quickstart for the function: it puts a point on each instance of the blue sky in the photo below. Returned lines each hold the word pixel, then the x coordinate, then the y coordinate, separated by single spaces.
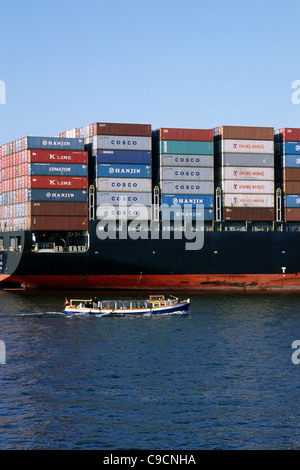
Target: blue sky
pixel 194 64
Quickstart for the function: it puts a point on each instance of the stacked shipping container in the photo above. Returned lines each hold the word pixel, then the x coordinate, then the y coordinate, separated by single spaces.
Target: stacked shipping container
pixel 122 168
pixel 287 150
pixel 244 167
pixel 184 171
pixel 44 184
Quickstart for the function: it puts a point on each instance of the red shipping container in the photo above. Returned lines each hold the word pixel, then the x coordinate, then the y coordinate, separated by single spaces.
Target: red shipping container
pixel 74 182
pixel 245 132
pixel 70 223
pixel 203 135
pixel 248 214
pixel 290 134
pixel 292 214
pixel 291 187
pixel 59 208
pixel 106 128
pixel 48 156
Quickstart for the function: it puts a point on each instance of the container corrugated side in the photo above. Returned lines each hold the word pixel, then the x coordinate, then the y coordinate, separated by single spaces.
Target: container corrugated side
pixel 123 198
pixel 186 160
pixel 248 200
pixel 247 173
pixel 142 157
pixel 245 132
pixel 59 208
pixel 248 187
pixel 114 142
pixel 40 222
pixel 261 214
pixel 190 199
pixel 291 174
pixel 167 133
pixel 73 182
pixel 59 169
pixel 247 160
pixel 119 170
pixel 50 156
pixel 187 187
pixel 124 184
pixel 186 147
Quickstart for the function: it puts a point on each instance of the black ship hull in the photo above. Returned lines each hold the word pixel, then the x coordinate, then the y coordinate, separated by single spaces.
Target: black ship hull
pixel 229 260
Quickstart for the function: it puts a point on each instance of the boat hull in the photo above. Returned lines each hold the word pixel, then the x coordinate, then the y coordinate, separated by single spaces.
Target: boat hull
pixel 181 307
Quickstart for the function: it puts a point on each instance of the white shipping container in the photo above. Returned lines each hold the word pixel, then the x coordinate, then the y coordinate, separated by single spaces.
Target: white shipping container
pixel 247 173
pixel 248 200
pixel 247 146
pixel 124 198
pixel 134 211
pixel 120 142
pixel 186 160
pixel 124 184
pixel 71 133
pixel 187 187
pixel 248 187
pixel 184 173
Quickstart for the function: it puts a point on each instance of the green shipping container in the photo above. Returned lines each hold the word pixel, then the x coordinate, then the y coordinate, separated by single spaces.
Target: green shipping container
pixel 186 147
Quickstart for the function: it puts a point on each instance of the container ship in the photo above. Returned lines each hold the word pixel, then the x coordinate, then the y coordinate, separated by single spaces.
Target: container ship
pixel 122 206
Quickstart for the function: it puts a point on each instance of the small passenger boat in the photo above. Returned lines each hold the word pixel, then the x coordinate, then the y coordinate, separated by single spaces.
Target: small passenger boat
pixel 155 304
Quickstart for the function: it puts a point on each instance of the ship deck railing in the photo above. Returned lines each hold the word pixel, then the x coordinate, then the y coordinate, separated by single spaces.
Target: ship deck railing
pixel 50 247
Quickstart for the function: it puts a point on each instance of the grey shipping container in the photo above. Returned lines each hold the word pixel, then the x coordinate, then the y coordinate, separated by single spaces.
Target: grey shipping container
pixel 121 142
pixel 246 159
pixel 186 160
pixel 124 198
pixel 123 184
pixel 186 173
pixel 187 187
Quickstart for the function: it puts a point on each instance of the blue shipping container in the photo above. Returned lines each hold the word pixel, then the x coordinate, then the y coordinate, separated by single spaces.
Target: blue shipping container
pixel 292 200
pixel 75 195
pixel 115 170
pixel 59 169
pixel 141 157
pixel 291 161
pixel 192 199
pixel 57 143
pixel 290 147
